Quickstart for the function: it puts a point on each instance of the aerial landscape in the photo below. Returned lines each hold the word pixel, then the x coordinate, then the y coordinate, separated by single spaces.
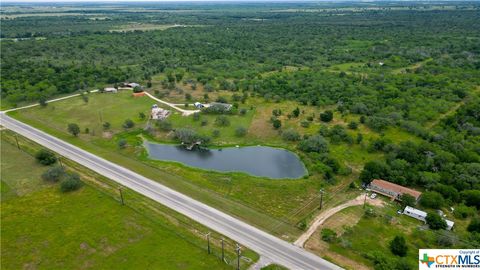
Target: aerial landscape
pixel 239 134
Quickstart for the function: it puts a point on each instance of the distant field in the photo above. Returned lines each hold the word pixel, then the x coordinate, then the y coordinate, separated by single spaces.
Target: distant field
pixel 47 229
pixel 146 27
pixel 47 14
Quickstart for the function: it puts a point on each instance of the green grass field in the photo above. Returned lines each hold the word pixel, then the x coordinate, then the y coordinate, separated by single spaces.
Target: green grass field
pixel 43 228
pixel 259 201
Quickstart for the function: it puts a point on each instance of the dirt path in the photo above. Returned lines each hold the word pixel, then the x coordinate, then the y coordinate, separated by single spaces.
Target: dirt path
pixel 454 108
pixel 323 216
pixel 184 112
pixel 48 101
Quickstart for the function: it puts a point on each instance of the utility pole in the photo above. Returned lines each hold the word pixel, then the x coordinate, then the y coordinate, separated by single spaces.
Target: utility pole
pixel 208 242
pixel 60 161
pixel 16 139
pixel 223 250
pixel 121 195
pixel 321 198
pixel 238 256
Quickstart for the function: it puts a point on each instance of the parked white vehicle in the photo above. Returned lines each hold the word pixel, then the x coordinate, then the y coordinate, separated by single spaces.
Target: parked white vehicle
pixel 373 196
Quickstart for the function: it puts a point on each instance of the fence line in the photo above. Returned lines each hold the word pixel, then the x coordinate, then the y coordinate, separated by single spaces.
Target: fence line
pixel 191 231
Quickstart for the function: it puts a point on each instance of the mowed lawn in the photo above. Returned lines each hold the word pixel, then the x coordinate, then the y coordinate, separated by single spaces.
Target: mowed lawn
pixel 100 108
pixel 86 229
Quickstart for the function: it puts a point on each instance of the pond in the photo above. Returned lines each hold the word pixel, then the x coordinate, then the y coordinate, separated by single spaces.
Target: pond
pixel 260 161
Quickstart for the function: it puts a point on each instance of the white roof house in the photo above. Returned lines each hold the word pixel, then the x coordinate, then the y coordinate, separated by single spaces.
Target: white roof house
pixel 132 85
pixel 110 90
pixel 198 105
pixel 158 113
pixel 422 215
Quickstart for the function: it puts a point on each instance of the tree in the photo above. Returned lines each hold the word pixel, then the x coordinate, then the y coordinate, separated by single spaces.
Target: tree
pixel 472 198
pixel 216 133
pixel 435 221
pixel 73 129
pixel 315 143
pixel 374 170
pixel 432 199
pixel 326 116
pixel 398 246
pixel 240 131
pixel 43 101
pixel 296 112
pixel 407 200
pixel 141 115
pixel 122 143
pixel 474 225
pixel 290 135
pixel 353 125
pixel 128 124
pixel 276 123
pixel 71 183
pixel 53 174
pixel 222 121
pixel 328 235
pixel 188 96
pixel 106 126
pixel 45 157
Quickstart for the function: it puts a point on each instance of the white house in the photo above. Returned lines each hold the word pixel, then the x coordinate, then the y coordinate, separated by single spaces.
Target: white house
pixel 110 90
pixel 198 105
pixel 131 85
pixel 422 215
pixel 158 113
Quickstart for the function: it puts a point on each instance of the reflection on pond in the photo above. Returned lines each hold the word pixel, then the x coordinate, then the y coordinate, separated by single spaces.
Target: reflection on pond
pixel 255 160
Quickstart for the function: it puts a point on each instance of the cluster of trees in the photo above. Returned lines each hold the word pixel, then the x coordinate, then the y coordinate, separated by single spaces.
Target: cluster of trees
pixel 69 181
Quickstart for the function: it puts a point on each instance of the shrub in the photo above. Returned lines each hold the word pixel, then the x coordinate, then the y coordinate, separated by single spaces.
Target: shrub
pixel 106 126
pixel 432 199
pixel 435 221
pixel 353 125
pixel 243 111
pixel 276 123
pixel 326 116
pixel 240 131
pixel 474 225
pixel 305 124
pixel 128 124
pixel 204 122
pixel 462 211
pixel 45 157
pixel 216 133
pixel 122 143
pixel 291 135
pixel 222 121
pixel 314 143
pixel 398 246
pixel 71 183
pixel 53 174
pixel 328 235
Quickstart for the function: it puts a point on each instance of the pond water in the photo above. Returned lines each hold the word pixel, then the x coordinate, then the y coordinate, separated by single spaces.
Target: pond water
pixel 260 161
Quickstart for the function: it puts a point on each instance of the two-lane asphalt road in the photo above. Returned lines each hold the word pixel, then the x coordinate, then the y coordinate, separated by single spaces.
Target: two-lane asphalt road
pixel 277 250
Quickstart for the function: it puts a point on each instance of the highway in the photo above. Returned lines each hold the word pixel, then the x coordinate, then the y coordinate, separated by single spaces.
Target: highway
pixel 271 247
